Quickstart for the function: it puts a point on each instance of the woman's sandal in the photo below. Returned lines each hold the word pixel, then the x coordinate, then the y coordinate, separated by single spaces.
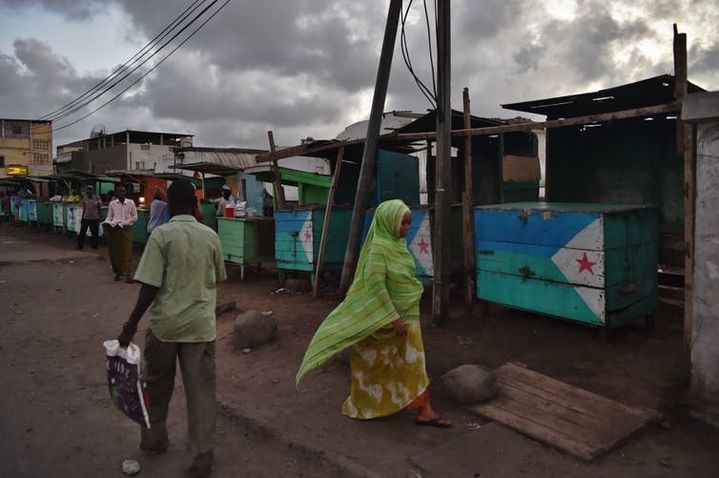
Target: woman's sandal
pixel 436 422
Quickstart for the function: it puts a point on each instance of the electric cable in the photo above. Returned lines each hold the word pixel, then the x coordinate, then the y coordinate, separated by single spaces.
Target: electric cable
pixel 115 83
pixel 129 62
pixel 148 72
pixel 428 94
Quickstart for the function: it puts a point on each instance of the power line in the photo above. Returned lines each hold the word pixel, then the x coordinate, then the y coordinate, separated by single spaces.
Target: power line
pixel 429 94
pixel 131 61
pixel 429 44
pixel 148 72
pixel 97 95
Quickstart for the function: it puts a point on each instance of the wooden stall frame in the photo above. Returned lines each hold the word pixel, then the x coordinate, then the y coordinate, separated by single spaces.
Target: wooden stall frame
pixel 326 223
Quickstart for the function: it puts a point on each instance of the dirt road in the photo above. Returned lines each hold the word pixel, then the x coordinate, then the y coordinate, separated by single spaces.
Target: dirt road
pixel 56 418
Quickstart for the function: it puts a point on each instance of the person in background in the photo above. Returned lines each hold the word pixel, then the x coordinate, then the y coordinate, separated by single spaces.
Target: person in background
pixel 223 201
pixel 91 205
pixel 179 271
pixel 121 215
pixel 267 204
pixel 158 212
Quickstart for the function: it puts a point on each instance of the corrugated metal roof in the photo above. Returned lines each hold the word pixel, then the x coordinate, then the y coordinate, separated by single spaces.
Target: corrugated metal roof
pixel 229 158
pixel 652 91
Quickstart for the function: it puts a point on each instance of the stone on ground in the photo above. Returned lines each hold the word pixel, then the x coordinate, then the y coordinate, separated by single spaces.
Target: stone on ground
pixel 131 467
pixel 252 329
pixel 470 384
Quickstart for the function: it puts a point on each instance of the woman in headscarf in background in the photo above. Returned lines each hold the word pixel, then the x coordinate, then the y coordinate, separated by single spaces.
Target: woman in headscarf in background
pixel 379 322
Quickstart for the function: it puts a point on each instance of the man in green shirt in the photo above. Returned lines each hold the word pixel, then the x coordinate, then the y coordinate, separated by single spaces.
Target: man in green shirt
pixel 179 270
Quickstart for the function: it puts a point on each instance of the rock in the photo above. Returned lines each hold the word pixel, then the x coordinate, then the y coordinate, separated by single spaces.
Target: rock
pixel 253 329
pixel 131 467
pixel 226 307
pixel 470 384
pixel 246 350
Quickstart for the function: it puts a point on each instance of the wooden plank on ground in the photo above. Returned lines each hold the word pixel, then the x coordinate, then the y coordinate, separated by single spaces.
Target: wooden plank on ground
pixel 577 421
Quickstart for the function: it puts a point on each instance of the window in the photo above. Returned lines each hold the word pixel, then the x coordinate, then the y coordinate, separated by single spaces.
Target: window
pixel 2 161
pixel 139 165
pixel 40 144
pixel 16 129
pixel 40 158
pixel 145 147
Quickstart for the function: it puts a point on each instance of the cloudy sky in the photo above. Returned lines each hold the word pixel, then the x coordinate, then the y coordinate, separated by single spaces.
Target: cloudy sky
pixel 307 67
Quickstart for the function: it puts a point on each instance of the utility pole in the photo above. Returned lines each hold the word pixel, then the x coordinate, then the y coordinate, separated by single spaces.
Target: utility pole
pixel 440 289
pixel 369 156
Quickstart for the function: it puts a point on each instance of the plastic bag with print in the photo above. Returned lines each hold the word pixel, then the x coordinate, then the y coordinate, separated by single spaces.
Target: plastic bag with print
pixel 127 389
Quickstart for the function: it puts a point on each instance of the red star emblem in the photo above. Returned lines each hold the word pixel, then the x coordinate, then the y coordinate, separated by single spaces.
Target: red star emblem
pixel 308 235
pixel 423 247
pixel 585 264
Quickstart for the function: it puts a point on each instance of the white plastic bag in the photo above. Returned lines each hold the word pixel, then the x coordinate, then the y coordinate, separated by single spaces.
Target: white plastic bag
pixel 124 379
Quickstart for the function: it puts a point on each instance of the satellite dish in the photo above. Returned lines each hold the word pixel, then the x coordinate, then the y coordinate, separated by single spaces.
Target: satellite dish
pixel 98 130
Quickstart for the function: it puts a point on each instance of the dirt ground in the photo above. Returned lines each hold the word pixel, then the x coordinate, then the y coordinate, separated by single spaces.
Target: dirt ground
pixel 56 417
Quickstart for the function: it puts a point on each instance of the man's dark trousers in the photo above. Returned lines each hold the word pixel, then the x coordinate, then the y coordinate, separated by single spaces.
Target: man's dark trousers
pixel 94 225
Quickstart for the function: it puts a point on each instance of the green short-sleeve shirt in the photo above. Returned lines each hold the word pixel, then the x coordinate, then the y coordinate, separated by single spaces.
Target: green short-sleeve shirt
pixel 183 259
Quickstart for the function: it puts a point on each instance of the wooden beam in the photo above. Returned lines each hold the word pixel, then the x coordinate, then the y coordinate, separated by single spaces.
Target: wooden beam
pixel 685 151
pixel 467 222
pixel 442 180
pixel 558 123
pixel 326 224
pixel 302 150
pixel 369 155
pixel 279 190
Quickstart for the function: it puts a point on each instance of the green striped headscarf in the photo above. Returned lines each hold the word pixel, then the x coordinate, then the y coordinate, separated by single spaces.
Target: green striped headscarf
pixel 384 289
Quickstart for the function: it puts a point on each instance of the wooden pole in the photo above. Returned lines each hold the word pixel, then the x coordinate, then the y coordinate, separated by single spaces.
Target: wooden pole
pixel 467 222
pixel 279 191
pixel 685 151
pixel 326 223
pixel 440 289
pixel 369 156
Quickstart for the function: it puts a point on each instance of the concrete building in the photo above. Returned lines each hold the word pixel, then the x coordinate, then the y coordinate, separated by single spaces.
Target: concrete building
pixel 701 110
pixel 122 151
pixel 25 147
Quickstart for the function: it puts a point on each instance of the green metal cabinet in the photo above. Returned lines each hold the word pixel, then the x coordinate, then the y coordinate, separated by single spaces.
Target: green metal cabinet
pixel 44 213
pixel 246 241
pixel 590 263
pixel 209 212
pixel 58 216
pixel 73 216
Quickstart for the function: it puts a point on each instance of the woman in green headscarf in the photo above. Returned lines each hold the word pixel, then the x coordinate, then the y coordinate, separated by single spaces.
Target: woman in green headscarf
pixel 379 322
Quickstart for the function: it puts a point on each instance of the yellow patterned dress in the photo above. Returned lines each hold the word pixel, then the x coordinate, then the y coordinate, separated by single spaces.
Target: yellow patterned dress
pixel 388 373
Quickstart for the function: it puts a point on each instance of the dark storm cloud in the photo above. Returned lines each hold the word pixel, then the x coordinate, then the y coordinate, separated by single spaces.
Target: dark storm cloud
pixel 705 59
pixel 71 9
pixel 33 68
pixel 307 67
pixel 528 56
pixel 334 41
pixel 476 21
pixel 585 43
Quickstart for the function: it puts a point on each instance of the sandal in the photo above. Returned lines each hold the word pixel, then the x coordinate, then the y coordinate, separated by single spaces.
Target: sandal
pixel 435 422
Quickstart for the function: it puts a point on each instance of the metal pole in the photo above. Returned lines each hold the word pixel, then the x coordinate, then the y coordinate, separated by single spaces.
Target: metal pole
pixel 369 155
pixel 440 289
